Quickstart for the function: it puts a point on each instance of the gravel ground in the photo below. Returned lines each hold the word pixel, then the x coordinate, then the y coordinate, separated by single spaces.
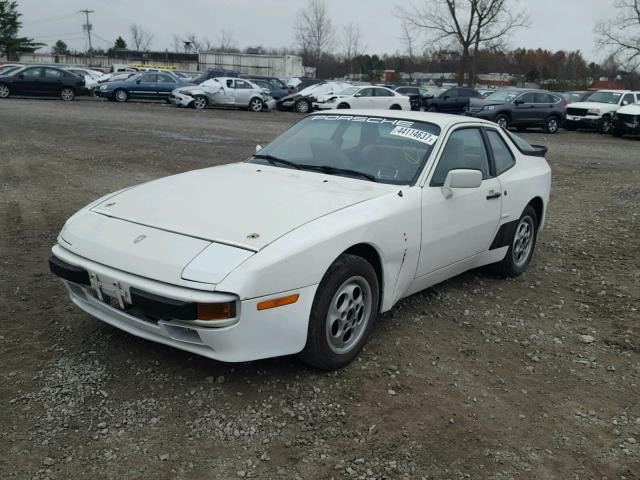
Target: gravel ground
pixel 477 378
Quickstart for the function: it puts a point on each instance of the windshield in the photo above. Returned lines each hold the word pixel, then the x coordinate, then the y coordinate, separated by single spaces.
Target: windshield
pixel 349 91
pixel 277 83
pixel 606 97
pixel 10 69
pixel 372 148
pixel 503 95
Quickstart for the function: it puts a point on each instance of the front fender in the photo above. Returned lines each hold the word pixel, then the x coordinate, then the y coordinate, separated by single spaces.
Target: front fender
pixel 390 224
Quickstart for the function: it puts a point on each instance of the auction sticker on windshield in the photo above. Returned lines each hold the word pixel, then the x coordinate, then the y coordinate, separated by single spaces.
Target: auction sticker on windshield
pixel 415 134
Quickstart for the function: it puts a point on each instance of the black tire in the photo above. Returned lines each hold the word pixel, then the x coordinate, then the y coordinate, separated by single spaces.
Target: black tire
pixel 200 102
pixel 256 104
pixel 503 121
pixel 67 94
pixel 605 125
pixel 343 106
pixel 552 125
pixel 320 351
pixel 395 107
pixel 514 264
pixel 302 106
pixel 5 91
pixel 120 95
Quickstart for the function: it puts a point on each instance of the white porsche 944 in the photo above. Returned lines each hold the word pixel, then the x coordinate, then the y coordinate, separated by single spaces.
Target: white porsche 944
pixel 298 249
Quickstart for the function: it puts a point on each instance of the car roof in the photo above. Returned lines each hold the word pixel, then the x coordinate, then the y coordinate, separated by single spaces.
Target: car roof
pixel 441 119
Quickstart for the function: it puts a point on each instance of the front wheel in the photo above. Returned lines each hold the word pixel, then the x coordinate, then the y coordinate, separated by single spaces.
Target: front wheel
pixel 256 105
pixel 302 106
pixel 523 242
pixel 199 102
pixel 4 91
pixel 605 126
pixel 343 312
pixel 67 94
pixel 395 107
pixel 121 96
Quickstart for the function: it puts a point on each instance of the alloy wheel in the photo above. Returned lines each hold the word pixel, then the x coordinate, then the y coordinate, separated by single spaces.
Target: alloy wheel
pixel 349 314
pixel 552 125
pixel 256 105
pixel 502 122
pixel 199 103
pixel 4 91
pixel 67 94
pixel 523 241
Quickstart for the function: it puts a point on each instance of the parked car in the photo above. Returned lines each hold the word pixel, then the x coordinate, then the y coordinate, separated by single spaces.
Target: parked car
pixel 90 76
pixel 416 95
pixel 367 97
pixel 597 111
pixel 115 77
pixel 576 96
pixel 485 92
pixel 150 86
pixel 42 81
pixel 521 108
pixel 276 92
pixel 626 121
pixel 452 100
pixel 223 92
pixel 301 247
pixel 303 100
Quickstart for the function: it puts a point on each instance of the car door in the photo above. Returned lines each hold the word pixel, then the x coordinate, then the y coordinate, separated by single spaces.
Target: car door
pixel 28 82
pixel 227 94
pixel 382 98
pixel 464 224
pixel 448 100
pixel 243 93
pixel 52 81
pixel 545 105
pixel 165 84
pixel 628 99
pixel 145 86
pixel 362 99
pixel 524 109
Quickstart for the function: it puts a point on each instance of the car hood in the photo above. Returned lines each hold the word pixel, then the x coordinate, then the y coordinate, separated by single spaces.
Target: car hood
pixel 587 105
pixel 633 109
pixel 241 204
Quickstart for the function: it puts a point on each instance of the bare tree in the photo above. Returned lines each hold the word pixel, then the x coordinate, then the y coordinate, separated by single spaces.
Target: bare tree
pixel 466 24
pixel 314 30
pixel 351 41
pixel 140 38
pixel 622 34
pixel 409 38
pixel 177 44
pixel 227 41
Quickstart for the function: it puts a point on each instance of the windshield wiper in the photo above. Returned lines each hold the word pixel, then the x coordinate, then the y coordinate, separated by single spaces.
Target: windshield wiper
pixel 337 170
pixel 275 160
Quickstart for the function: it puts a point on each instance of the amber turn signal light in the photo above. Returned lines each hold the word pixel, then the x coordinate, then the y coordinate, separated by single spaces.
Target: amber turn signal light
pixel 279 302
pixel 216 311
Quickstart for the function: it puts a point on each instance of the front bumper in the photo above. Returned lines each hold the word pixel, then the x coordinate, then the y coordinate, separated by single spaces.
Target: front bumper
pixel 180 99
pixel 628 127
pixel 583 122
pixel 251 335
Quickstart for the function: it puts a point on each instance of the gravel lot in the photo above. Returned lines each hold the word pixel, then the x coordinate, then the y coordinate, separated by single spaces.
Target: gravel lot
pixel 479 377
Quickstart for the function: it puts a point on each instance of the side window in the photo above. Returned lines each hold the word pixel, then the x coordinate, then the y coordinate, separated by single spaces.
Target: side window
pixel 165 79
pixel 149 78
pixel 52 74
pixel 230 83
pixel 366 92
pixel 529 97
pixel 451 93
pixel 381 92
pixel 464 149
pixel 545 98
pixel 32 73
pixel 242 85
pixel 627 99
pixel 502 156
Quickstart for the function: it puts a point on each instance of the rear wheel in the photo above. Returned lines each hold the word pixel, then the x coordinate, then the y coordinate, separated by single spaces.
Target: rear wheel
pixel 552 125
pixel 343 106
pixel 67 94
pixel 343 312
pixel 4 91
pixel 120 95
pixel 395 107
pixel 256 104
pixel 502 121
pixel 523 242
pixel 302 106
pixel 199 102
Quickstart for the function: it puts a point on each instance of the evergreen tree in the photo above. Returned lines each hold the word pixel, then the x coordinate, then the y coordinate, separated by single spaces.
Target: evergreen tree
pixel 120 44
pixel 10 42
pixel 60 48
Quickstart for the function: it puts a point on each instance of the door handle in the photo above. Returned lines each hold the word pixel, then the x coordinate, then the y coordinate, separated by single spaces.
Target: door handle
pixel 493 195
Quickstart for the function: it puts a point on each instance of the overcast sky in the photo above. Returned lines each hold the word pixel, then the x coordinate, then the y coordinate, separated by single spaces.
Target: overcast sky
pixel 555 24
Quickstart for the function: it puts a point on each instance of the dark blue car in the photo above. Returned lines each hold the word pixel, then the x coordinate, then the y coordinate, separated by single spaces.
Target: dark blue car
pixel 146 85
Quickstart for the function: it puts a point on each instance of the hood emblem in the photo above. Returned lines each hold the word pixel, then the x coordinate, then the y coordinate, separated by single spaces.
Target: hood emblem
pixel 139 238
pixel 253 236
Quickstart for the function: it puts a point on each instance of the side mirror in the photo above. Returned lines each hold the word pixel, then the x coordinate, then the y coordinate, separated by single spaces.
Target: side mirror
pixel 461 178
pixel 139 80
pixel 358 95
pixel 21 76
pixel 258 148
pixel 625 103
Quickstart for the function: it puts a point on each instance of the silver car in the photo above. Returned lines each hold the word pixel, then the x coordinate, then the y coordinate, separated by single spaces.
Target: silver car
pixel 224 92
